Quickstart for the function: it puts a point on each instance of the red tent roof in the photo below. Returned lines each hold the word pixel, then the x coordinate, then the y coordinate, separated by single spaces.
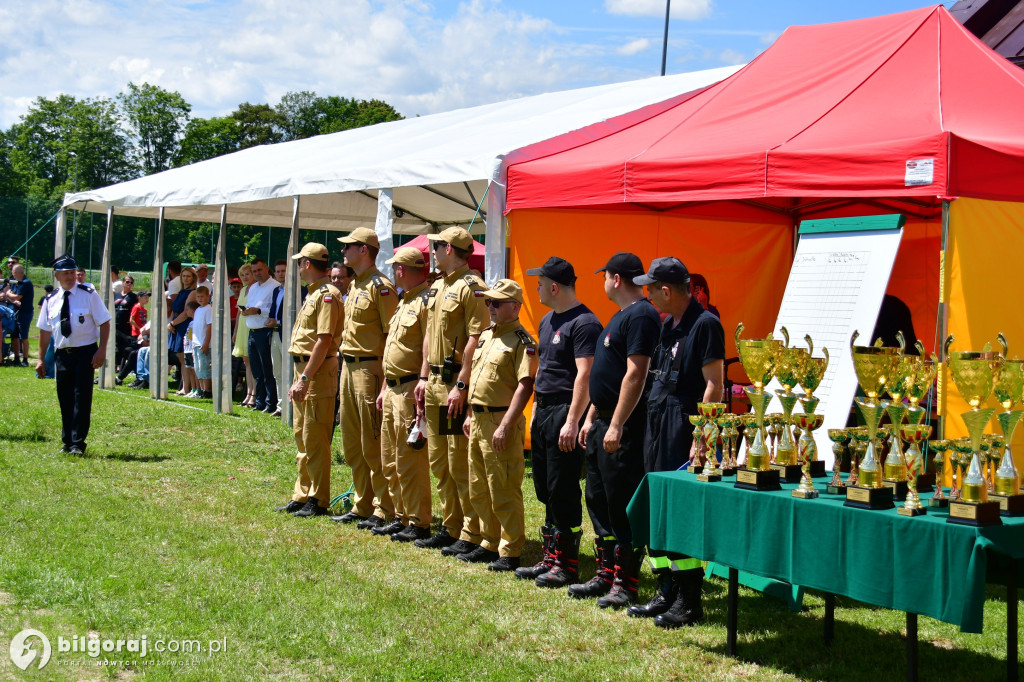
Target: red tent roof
pixel 834 110
pixel 476 259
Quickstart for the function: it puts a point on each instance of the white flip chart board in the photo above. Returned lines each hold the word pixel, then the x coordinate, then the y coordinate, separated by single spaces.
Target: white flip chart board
pixel 836 286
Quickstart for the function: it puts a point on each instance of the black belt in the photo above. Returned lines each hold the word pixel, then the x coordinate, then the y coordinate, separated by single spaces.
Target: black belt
pixel 359 358
pixel 605 414
pixel 78 349
pixel 404 380
pixel 300 358
pixel 551 399
pixel 436 369
pixel 485 408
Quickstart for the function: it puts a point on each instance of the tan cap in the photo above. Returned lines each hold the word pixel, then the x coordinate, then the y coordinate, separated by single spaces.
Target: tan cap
pixel 313 251
pixel 408 255
pixel 456 236
pixel 361 235
pixel 505 289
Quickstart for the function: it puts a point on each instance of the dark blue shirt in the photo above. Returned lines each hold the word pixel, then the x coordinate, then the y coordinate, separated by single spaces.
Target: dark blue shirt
pixel 696 341
pixel 632 331
pixel 563 338
pixel 24 289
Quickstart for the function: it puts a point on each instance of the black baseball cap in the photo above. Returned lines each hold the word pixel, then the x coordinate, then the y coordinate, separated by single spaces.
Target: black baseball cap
pixel 668 270
pixel 624 264
pixel 557 270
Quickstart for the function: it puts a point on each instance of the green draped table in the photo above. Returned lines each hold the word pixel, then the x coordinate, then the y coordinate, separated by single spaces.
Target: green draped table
pixel 937 569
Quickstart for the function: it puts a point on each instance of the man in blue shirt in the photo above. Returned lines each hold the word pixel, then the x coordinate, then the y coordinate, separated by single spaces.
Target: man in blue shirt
pixel 21 295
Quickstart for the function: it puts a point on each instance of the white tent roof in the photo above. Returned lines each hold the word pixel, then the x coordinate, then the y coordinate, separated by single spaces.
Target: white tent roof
pixel 437 165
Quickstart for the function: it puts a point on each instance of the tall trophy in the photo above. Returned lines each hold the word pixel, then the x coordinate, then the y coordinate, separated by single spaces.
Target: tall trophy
pixel 758 359
pixel 921 382
pixel 894 469
pixel 1008 389
pixel 698 430
pixel 808 449
pixel 974 374
pixel 787 371
pixel 940 447
pixel 874 365
pixel 710 412
pixel 812 371
pixel 839 438
pixel 727 423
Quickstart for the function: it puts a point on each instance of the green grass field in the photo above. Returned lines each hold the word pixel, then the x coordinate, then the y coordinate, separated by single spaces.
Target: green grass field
pixel 165 529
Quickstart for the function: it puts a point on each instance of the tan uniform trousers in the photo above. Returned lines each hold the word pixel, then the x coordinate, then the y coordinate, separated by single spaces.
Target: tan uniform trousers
pixel 496 484
pixel 313 424
pixel 407 470
pixel 360 437
pixel 449 462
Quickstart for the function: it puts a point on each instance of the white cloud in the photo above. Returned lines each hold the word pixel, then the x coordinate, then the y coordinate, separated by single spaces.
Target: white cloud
pixel 687 10
pixel 730 56
pixel 634 47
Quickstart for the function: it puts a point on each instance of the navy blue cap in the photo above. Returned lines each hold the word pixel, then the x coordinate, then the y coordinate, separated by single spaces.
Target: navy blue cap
pixel 65 262
pixel 667 270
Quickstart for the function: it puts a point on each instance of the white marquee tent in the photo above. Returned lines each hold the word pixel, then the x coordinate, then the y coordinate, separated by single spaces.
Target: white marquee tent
pixel 411 176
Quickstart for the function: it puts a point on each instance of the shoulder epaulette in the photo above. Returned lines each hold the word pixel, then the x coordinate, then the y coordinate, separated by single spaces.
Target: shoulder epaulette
pixel 50 295
pixel 383 286
pixel 324 288
pixel 473 281
pixel 425 296
pixel 85 287
pixel 525 337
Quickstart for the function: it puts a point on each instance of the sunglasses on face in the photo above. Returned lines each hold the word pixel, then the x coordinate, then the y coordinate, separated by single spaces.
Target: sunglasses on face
pixel 494 303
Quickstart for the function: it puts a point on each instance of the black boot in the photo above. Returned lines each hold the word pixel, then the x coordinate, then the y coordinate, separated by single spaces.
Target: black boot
pixel 604 554
pixel 567 557
pixel 662 601
pixel 627 578
pixel 687 609
pixel 547 534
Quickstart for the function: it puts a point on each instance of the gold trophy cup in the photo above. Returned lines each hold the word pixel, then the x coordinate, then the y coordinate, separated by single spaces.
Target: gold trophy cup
pixel 940 447
pixel 787 370
pixel 839 438
pixel 894 469
pixel 1008 389
pixel 922 382
pixel 808 453
pixel 758 359
pixel 914 434
pixel 710 412
pixel 812 371
pixel 698 437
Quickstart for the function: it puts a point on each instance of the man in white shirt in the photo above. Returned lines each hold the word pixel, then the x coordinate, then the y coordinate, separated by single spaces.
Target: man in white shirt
pixel 117 286
pixel 202 280
pixel 174 283
pixel 260 299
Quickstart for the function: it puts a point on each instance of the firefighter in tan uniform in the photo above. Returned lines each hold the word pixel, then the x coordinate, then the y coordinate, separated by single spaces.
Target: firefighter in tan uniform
pixel 370 304
pixel 406 468
pixel 500 385
pixel 314 350
pixel 457 314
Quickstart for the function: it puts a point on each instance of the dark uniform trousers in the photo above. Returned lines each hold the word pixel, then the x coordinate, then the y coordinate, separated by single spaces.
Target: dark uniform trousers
pixel 313 425
pixel 74 392
pixel 556 474
pixel 612 478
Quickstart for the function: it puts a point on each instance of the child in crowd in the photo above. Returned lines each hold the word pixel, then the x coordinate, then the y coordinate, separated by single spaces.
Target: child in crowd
pixel 139 315
pixel 190 386
pixel 202 327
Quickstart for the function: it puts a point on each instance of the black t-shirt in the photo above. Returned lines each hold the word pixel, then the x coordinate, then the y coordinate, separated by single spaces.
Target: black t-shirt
pixel 698 340
pixel 123 305
pixel 631 331
pixel 563 338
pixel 27 292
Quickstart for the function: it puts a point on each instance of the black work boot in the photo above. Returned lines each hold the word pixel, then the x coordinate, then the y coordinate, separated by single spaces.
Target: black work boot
pixel 312 508
pixel 567 559
pixel 664 596
pixel 411 534
pixel 292 507
pixel 370 523
pixel 687 609
pixel 627 578
pixel 503 564
pixel 438 540
pixel 395 526
pixel 601 583
pixel 348 517
pixel 546 562
pixel 459 547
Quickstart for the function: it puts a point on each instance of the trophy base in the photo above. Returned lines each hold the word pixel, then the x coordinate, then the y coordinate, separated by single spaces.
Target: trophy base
pixel 729 471
pixel 925 483
pixel 711 477
pixel 749 479
pixel 974 514
pixel 913 511
pixel 836 489
pixel 1009 505
pixel 818 468
pixel 696 469
pixel 790 473
pixel 869 498
pixel 941 503
pixel 805 494
pixel 899 489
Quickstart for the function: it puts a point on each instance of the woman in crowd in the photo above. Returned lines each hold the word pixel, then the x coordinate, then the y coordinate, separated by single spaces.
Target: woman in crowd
pixel 241 349
pixel 178 325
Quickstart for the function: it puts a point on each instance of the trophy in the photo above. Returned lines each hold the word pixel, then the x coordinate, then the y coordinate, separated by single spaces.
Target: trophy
pixel 959 458
pixel 710 412
pixel 839 438
pixel 1008 389
pixel 917 390
pixel 787 369
pixel 758 359
pixel 914 434
pixel 941 447
pixel 897 385
pixel 808 450
pixel 874 366
pixel 858 446
pixel 727 423
pixel 698 437
pixel 747 421
pixel 974 374
pixel 812 371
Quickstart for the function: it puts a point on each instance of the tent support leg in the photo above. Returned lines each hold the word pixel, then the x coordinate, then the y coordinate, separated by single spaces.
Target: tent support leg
pixel 158 367
pixel 109 368
pixel 220 344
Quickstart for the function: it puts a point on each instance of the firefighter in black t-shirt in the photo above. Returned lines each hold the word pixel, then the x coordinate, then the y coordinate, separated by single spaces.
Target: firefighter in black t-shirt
pixel 613 432
pixel 568 338
pixel 688 368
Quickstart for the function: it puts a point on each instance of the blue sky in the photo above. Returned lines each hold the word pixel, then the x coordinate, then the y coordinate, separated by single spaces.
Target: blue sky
pixel 421 56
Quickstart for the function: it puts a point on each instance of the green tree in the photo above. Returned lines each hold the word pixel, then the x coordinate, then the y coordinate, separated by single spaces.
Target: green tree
pixel 306 114
pixel 157 120
pixel 302 114
pixel 205 138
pixel 258 124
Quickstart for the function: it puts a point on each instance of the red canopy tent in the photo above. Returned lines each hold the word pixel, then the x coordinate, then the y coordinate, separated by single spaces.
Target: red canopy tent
pixel 476 260
pixel 831 120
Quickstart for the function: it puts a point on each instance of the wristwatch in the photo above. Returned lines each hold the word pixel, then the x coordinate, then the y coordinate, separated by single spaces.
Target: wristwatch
pixel 461 385
pixel 303 378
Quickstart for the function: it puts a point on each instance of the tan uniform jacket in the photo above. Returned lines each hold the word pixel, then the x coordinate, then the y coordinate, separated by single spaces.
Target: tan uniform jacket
pixel 321 313
pixel 505 355
pixel 457 311
pixel 403 352
pixel 370 305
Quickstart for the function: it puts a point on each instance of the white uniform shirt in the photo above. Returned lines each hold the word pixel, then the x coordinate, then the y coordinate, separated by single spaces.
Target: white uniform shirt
pixel 260 296
pixel 88 312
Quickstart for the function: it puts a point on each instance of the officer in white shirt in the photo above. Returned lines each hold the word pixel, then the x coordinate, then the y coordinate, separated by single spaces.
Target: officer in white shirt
pixel 80 324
